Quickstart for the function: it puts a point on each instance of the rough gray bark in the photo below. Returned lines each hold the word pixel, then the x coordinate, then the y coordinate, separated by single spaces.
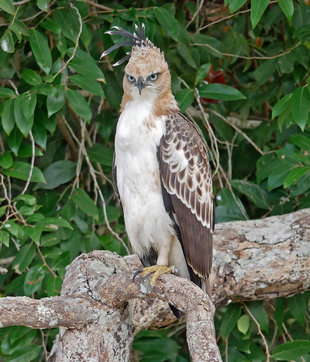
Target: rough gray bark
pixel 102 307
pixel 260 259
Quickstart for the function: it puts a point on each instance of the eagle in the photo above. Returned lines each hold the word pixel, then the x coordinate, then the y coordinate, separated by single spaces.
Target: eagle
pixel 161 169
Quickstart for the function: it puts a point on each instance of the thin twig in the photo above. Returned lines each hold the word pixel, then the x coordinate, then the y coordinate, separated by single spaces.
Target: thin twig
pixel 196 13
pixel 44 345
pixel 21 2
pixel 229 17
pixel 213 138
pixel 44 262
pixel 13 86
pixel 76 44
pixel 7 261
pixel 239 131
pixel 259 331
pixel 245 57
pixel 103 7
pixel 226 349
pixel 33 153
pixel 290 337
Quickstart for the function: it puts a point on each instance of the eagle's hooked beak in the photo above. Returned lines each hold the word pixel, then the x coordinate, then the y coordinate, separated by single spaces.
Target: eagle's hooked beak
pixel 140 84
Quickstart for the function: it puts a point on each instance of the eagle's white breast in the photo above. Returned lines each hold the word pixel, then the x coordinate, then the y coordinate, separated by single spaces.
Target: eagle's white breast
pixel 137 137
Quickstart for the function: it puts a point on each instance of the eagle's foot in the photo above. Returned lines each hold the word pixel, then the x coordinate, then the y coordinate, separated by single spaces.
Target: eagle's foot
pixel 158 270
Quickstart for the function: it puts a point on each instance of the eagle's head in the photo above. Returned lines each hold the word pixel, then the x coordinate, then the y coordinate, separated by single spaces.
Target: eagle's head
pixel 147 73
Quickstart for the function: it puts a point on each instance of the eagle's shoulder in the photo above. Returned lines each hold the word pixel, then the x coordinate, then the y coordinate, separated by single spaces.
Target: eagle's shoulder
pixel 185 169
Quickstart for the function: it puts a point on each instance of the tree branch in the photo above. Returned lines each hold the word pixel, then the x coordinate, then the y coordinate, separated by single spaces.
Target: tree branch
pixel 260 259
pixel 103 306
pixel 71 312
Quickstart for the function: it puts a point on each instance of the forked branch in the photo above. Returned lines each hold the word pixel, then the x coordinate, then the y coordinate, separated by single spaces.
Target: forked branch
pixel 102 307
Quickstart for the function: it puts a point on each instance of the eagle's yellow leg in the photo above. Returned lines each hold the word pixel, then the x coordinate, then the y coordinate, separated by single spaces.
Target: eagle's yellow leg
pixel 158 270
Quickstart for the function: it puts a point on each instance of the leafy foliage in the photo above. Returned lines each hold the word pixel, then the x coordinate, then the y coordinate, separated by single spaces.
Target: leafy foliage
pixel 59 108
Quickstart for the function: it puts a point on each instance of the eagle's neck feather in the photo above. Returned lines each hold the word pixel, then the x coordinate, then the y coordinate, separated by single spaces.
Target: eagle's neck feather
pixel 162 104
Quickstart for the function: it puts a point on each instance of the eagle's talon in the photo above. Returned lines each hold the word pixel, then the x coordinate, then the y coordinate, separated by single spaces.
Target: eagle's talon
pixel 157 270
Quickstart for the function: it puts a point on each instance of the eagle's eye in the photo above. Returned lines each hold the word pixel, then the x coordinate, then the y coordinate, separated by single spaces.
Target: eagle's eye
pixel 131 78
pixel 153 77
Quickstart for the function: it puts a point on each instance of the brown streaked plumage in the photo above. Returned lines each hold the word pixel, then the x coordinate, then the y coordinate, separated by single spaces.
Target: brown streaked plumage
pixel 190 189
pixel 161 168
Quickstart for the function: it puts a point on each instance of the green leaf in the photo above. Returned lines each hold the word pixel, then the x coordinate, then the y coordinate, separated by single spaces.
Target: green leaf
pixel 53 223
pixel 5 238
pixel 279 313
pixel 243 323
pixel 7 93
pixel 6 159
pixel 186 53
pixel 58 173
pixel 258 8
pixel 260 314
pixel 34 233
pixel 85 64
pixel 234 5
pixel 287 6
pixel 202 72
pixel 85 203
pixel 7 42
pixel 214 43
pixel 90 85
pixel 21 170
pixel 253 192
pixel 281 105
pixel 230 319
pixel 291 350
pixel 53 286
pixel 55 101
pixel 101 154
pixel 299 103
pixel 8 119
pixel 14 140
pixel 19 29
pixel 43 4
pixel 167 21
pixel 31 77
pixel 28 199
pixel 25 256
pixel 67 19
pixel 14 229
pixel 39 134
pixel 27 353
pixel 79 104
pixel 33 280
pixel 279 172
pixel 29 104
pixel 301 141
pixel 112 89
pixel 50 239
pixel 7 6
pixel 20 108
pixel 294 175
pixel 2 212
pixel 185 98
pixel 264 72
pixel 298 307
pixel 230 208
pixel 157 349
pixel 41 50
pixel 220 91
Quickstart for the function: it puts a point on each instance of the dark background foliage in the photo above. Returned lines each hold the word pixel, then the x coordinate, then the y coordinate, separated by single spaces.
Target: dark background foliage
pixel 240 69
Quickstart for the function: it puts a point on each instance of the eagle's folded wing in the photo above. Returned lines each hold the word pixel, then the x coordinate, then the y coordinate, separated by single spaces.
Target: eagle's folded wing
pixel 186 177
